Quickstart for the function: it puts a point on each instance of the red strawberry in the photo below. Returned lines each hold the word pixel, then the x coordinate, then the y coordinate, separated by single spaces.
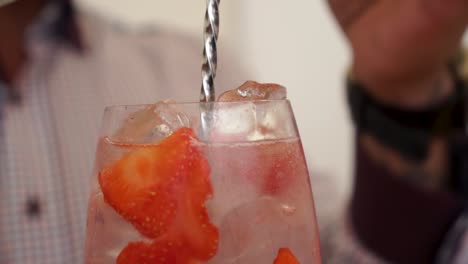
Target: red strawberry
pixel 162 189
pixel 275 167
pixel 285 256
pixel 140 185
pixel 161 252
pixel 144 186
pixel 199 234
pixel 278 176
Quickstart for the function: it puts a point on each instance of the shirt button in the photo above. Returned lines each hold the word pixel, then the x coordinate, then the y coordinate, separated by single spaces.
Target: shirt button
pixel 33 207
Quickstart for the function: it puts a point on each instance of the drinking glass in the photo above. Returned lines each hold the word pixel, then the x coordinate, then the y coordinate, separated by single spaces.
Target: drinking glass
pixel 168 189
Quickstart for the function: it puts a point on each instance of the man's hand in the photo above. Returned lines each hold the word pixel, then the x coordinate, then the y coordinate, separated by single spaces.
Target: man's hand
pixel 401 50
pixel 401 47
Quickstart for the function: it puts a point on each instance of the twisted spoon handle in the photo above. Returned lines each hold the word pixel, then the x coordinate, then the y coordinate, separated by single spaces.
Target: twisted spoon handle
pixel 210 57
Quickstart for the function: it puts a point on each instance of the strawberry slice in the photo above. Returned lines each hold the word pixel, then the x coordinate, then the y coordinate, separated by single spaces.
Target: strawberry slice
pixel 144 185
pixel 285 256
pixel 199 234
pixel 162 189
pixel 161 252
pixel 139 188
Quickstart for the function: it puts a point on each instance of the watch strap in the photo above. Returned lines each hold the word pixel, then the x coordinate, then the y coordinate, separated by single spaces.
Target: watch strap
pixel 407 131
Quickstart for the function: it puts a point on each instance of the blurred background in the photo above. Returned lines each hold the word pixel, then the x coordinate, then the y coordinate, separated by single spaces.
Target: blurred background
pixel 295 44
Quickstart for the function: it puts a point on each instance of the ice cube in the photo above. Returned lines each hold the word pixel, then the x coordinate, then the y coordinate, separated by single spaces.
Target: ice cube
pixel 233 122
pixel 152 124
pixel 254 116
pixel 251 90
pixel 274 121
pixel 230 167
pixel 108 232
pixel 254 231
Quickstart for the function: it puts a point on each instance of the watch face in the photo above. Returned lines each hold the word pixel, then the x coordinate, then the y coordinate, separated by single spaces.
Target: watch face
pixel 5 2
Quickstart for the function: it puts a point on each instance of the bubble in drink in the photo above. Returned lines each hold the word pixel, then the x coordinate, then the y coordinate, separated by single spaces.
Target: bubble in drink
pixel 251 90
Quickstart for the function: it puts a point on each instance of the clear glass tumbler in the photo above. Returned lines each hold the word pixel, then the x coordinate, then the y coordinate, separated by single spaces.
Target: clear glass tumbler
pixel 166 190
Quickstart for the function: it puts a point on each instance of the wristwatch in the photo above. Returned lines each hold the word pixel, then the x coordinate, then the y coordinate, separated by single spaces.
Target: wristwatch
pixel 409 132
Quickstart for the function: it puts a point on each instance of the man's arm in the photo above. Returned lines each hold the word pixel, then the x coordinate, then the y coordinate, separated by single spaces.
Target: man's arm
pixel 401 208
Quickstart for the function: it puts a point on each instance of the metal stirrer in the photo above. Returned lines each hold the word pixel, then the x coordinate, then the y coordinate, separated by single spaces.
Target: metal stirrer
pixel 210 63
pixel 210 57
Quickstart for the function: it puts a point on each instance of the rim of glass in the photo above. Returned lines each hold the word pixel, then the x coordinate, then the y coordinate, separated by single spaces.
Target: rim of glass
pixel 119 106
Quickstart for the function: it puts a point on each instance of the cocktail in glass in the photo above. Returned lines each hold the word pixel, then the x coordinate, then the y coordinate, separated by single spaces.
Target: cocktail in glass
pixel 168 190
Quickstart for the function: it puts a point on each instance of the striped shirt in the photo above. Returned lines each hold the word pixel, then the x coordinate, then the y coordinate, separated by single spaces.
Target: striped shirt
pixel 49 126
